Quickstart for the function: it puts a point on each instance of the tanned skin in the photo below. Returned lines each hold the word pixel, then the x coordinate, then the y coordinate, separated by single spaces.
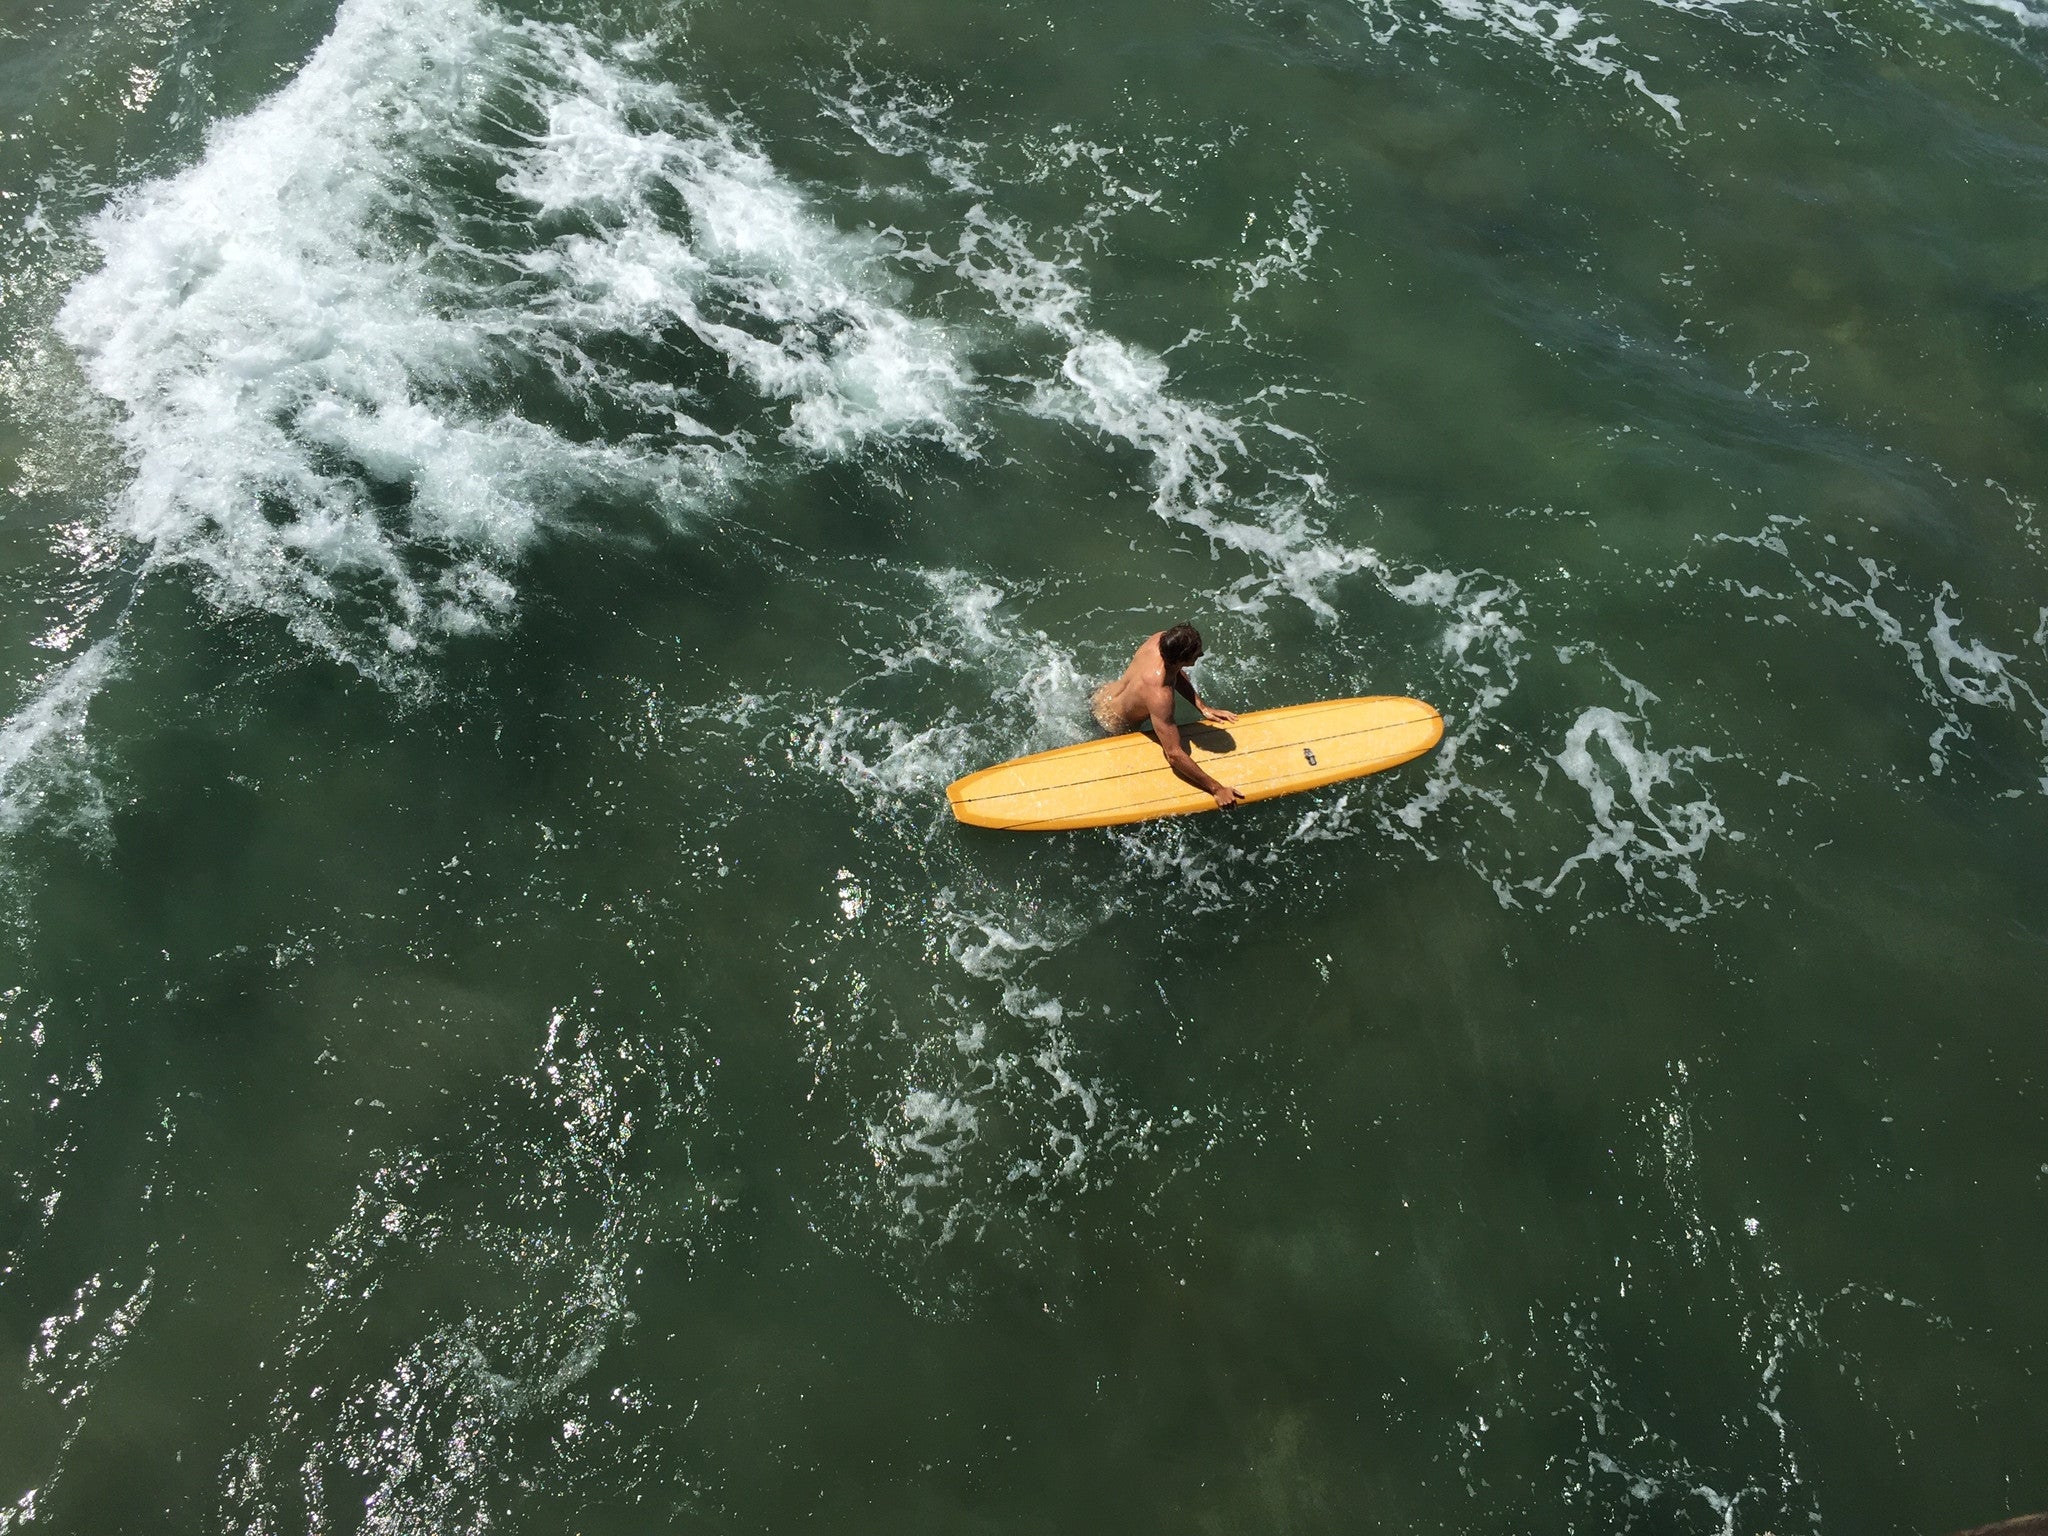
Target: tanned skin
pixel 1145 692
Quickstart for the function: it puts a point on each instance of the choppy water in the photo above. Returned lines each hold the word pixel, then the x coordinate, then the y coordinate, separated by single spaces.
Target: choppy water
pixel 512 516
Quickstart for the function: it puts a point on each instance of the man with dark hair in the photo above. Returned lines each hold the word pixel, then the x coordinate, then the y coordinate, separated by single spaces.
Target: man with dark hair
pixel 1144 698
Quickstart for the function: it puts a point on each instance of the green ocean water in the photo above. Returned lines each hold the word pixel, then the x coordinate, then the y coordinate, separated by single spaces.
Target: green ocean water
pixel 513 515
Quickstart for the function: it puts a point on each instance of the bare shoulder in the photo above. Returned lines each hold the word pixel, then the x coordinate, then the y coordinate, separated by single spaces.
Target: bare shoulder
pixel 1157 696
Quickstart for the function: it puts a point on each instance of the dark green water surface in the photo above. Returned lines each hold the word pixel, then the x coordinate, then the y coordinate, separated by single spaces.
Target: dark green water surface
pixel 510 518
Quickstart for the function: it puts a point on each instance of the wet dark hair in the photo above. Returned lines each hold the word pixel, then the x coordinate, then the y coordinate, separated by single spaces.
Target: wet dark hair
pixel 1180 646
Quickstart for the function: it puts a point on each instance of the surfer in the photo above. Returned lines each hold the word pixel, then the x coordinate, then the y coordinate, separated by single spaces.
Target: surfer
pixel 1143 699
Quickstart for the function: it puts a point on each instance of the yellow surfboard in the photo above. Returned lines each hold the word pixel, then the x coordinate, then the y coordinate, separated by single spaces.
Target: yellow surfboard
pixel 1263 754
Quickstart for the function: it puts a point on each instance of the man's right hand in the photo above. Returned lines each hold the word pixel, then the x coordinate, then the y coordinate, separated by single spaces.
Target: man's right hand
pixel 1226 797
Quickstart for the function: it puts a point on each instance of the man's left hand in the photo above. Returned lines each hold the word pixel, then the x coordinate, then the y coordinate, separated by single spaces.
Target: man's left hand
pixel 1220 716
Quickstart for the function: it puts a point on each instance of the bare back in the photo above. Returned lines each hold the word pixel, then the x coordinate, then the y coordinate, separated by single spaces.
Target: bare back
pixel 1141 693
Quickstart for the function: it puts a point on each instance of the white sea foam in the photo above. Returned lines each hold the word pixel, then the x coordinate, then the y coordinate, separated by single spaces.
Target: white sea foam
pixel 1974 673
pixel 1119 391
pixel 945 1166
pixel 1641 829
pixel 45 761
pixel 920 1152
pixel 250 325
pixel 1283 257
pixel 1949 669
pixel 1562 34
pixel 2026 15
pixel 973 627
pixel 977 1110
pixel 793 304
pixel 1485 643
pixel 881 759
pixel 988 944
pixel 309 330
pixel 960 625
pixel 894 120
pixel 1205 474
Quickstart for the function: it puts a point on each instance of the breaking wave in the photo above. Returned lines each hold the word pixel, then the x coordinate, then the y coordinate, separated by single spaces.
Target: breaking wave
pixel 464 284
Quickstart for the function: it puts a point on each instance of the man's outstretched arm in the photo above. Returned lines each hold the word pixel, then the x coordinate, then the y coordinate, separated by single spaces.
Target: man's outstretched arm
pixel 1184 766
